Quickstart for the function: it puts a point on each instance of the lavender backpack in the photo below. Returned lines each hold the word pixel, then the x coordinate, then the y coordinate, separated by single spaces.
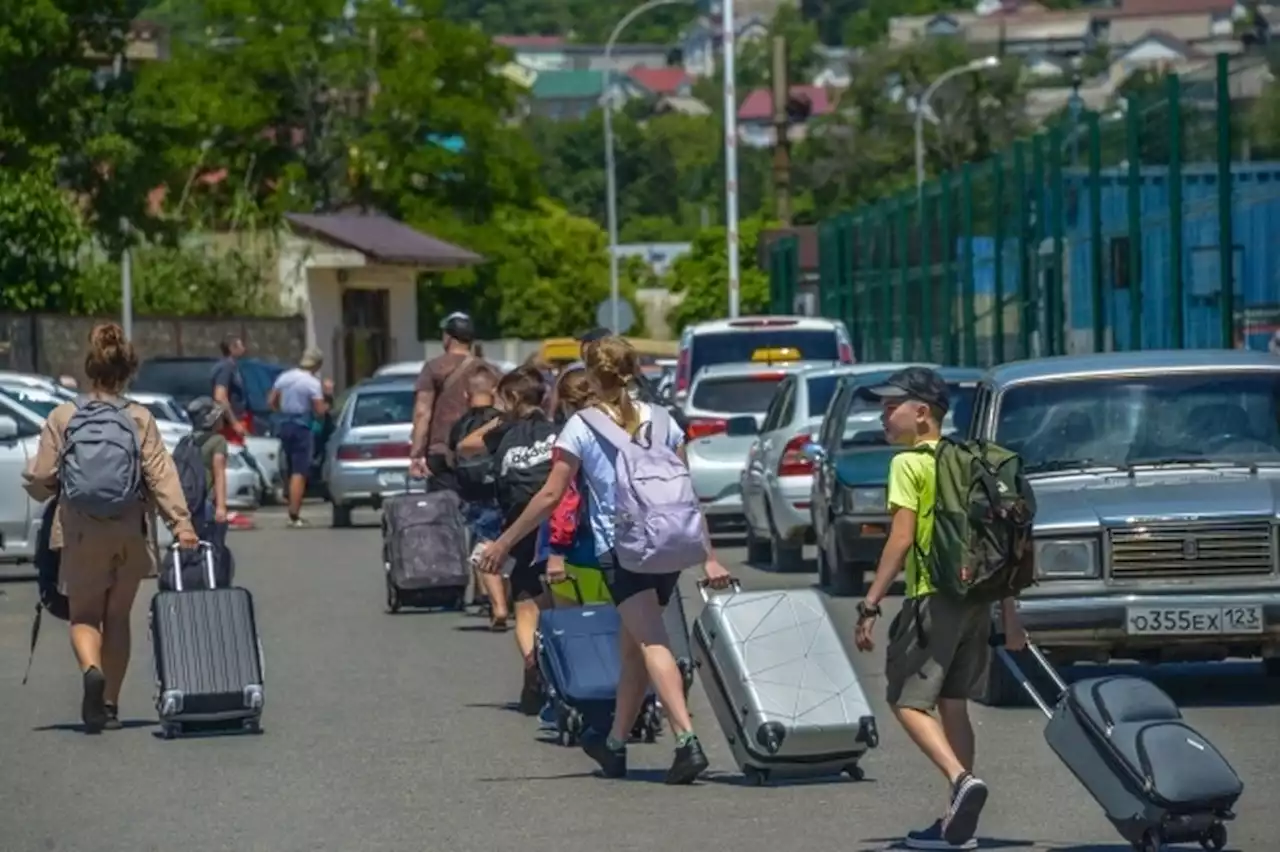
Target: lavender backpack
pixel 657 521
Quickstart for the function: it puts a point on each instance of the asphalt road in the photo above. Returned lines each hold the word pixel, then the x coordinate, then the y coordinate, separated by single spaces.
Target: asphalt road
pixel 392 734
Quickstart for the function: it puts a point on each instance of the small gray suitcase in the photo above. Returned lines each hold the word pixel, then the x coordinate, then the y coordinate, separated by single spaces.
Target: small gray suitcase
pixel 782 685
pixel 1158 779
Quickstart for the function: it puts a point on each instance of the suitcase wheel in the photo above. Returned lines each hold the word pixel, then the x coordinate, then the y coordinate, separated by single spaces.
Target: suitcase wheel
pixel 252 726
pixel 855 772
pixel 756 777
pixel 460 602
pixel 569 726
pixel 393 598
pixel 1215 838
pixel 170 730
pixel 1150 842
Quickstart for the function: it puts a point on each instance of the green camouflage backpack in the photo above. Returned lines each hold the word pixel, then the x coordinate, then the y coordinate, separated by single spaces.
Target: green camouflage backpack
pixel 983 549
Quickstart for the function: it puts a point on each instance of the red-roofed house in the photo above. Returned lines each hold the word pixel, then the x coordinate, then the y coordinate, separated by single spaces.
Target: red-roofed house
pixel 663 82
pixel 755 115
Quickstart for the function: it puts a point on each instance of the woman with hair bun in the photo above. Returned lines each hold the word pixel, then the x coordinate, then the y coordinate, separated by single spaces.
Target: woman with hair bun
pixel 105 558
pixel 640 598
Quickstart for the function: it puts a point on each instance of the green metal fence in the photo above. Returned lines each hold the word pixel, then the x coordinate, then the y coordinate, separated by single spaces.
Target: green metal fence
pixel 1100 233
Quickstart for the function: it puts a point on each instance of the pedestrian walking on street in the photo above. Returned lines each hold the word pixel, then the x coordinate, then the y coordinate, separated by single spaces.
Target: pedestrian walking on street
pixel 298 398
pixel 440 400
pixel 639 597
pixel 520 442
pixel 104 457
pixel 938 646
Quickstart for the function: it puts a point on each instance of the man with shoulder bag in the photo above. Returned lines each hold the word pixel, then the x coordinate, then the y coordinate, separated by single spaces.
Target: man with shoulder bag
pixel 440 401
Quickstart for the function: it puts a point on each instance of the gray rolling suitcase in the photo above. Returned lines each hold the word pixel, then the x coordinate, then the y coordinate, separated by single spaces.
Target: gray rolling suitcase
pixel 782 685
pixel 1158 779
pixel 207 654
pixel 424 551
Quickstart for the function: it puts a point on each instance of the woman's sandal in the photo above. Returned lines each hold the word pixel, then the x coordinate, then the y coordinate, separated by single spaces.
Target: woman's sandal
pixel 498 625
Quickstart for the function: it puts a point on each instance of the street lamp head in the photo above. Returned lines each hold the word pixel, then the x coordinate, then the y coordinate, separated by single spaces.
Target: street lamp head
pixel 987 62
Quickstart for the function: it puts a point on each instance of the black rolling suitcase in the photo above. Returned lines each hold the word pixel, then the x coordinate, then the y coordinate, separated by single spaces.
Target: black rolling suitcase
pixel 208 657
pixel 1158 779
pixel 424 551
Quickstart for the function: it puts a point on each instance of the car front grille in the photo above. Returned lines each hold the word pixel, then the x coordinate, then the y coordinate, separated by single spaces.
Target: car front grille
pixel 1172 551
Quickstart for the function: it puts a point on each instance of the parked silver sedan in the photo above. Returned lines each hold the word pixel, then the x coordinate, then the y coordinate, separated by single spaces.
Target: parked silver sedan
pixel 723 412
pixel 367 459
pixel 777 480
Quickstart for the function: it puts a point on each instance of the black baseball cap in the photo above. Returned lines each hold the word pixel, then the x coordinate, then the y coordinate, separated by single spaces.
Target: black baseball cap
pixel 459 326
pixel 915 383
pixel 597 333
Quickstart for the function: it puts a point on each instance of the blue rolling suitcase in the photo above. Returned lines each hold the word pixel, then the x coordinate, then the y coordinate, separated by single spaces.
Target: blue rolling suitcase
pixel 578 657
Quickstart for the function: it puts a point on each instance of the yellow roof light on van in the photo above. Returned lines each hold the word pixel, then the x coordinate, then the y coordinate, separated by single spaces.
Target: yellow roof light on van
pixel 775 354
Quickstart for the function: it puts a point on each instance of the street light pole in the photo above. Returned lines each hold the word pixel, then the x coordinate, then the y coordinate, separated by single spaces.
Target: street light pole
pixel 923 104
pixel 611 180
pixel 126 280
pixel 728 45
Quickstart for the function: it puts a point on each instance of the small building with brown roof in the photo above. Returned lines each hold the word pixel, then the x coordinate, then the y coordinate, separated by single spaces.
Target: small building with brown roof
pixel 354 278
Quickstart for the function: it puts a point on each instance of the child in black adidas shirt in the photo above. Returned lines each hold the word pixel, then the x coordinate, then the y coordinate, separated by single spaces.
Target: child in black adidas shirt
pixel 520 442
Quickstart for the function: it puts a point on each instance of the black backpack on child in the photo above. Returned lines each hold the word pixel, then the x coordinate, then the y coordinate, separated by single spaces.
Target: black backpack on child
pixel 189 461
pixel 523 462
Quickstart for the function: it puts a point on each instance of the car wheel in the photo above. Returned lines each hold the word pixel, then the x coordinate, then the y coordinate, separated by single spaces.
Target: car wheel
pixel 759 551
pixel 1001 688
pixel 341 516
pixel 848 579
pixel 824 566
pixel 785 557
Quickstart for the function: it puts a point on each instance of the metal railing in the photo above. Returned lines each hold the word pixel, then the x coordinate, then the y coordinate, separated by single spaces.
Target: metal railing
pixel 1103 232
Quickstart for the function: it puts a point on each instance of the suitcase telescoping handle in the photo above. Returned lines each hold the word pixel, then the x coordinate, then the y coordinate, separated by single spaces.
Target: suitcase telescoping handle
pixel 206 550
pixel 997 641
pixel 704 588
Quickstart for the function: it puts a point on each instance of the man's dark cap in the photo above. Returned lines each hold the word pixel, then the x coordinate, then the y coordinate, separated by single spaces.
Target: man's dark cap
pixel 597 333
pixel 915 383
pixel 459 326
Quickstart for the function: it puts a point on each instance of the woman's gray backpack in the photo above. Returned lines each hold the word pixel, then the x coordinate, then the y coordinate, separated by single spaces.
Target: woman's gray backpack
pixel 100 472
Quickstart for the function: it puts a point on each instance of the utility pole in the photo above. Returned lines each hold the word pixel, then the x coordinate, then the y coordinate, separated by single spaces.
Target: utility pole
pixel 781 125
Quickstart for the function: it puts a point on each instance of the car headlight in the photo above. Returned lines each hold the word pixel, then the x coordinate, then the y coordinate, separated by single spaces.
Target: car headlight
pixel 1074 559
pixel 862 501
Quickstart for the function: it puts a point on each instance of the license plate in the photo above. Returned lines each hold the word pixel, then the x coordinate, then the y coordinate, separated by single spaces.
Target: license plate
pixel 1193 620
pixel 393 479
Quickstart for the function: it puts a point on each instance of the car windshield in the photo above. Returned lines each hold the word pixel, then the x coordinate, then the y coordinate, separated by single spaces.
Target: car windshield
pixel 382 408
pixel 821 389
pixel 736 394
pixel 33 399
pixel 160 411
pixel 737 347
pixel 1176 418
pixel 862 425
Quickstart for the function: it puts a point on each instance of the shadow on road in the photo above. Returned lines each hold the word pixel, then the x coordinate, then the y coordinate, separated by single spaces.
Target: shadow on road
pixel 78 727
pixel 890 843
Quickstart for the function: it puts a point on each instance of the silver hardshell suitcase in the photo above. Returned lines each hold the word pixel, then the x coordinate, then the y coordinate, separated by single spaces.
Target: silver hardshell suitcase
pixel 782 685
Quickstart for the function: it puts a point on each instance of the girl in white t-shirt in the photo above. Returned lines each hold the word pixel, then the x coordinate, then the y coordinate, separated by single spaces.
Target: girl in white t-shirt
pixel 640 598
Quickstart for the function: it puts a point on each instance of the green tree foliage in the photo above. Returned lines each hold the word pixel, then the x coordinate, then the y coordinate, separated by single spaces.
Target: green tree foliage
pixel 546 270
pixel 588 21
pixel 702 276
pixel 755 57
pixel 177 281
pixel 313 111
pixel 865 151
pixel 669 168
pixel 61 98
pixel 40 236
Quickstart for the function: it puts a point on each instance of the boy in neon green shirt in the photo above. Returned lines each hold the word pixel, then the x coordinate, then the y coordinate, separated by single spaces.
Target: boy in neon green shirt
pixel 938 647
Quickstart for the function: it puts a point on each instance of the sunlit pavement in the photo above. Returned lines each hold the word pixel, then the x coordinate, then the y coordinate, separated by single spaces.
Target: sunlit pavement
pixel 393 733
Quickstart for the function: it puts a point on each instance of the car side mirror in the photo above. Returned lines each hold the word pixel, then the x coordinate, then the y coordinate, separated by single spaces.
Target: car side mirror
pixel 8 428
pixel 742 426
